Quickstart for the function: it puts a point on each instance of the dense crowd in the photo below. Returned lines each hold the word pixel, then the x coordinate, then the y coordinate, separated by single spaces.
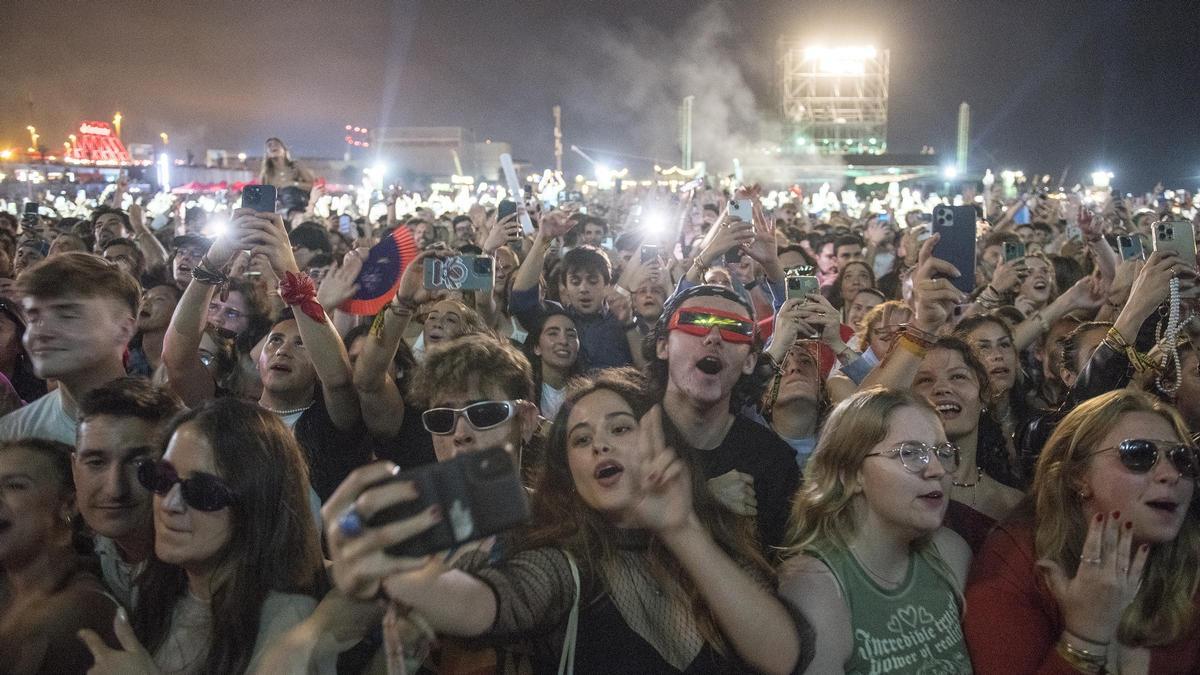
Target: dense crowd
pixel 751 432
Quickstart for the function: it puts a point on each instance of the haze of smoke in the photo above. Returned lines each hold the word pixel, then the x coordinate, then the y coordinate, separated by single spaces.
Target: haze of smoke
pixel 654 71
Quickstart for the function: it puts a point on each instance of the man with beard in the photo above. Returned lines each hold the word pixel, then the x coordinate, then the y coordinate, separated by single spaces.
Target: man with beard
pixel 705 346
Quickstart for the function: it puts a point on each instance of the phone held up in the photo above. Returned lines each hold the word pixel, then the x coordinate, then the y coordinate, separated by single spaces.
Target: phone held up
pixel 1178 236
pixel 648 252
pixel 480 494
pixel 742 209
pixel 801 282
pixel 1014 250
pixel 956 225
pixel 460 273
pixel 1130 247
pixel 261 198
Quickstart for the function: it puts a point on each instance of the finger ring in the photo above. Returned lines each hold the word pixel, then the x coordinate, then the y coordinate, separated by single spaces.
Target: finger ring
pixel 350 523
pixel 1090 561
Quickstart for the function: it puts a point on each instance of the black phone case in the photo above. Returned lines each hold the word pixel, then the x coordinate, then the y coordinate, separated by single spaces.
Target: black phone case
pixel 956 224
pixel 480 494
pixel 261 198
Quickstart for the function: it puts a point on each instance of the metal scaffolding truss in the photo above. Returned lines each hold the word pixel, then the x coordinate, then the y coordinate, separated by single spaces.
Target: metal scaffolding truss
pixel 833 100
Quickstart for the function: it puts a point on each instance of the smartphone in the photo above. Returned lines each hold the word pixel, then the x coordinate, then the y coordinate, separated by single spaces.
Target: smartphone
pixel 742 209
pixel 460 273
pixel 346 225
pixel 480 494
pixel 1178 236
pixel 956 225
pixel 505 209
pixel 1013 250
pixel 1074 233
pixel 650 252
pixel 30 216
pixel 883 217
pixel 801 285
pixel 734 255
pixel 1130 247
pixel 261 198
pixel 607 243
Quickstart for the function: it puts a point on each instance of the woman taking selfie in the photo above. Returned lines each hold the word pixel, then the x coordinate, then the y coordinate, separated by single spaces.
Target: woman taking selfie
pixel 668 581
pixel 46 595
pixel 237 559
pixel 871 564
pixel 1102 574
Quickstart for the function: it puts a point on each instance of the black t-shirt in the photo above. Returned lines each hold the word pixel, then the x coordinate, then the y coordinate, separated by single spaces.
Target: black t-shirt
pixel 412 445
pixel 332 453
pixel 753 449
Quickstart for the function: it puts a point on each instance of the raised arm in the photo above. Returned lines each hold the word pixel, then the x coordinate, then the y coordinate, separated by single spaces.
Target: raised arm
pixel 186 373
pixel 754 621
pixel 266 236
pixel 381 400
pixel 933 299
pixel 147 243
pixel 529 274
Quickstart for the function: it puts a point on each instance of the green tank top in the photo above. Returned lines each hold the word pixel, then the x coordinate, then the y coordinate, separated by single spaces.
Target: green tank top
pixel 915 628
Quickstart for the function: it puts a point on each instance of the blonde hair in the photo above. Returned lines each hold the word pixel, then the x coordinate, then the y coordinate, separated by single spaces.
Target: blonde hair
pixel 824 510
pixel 874 318
pixel 1162 610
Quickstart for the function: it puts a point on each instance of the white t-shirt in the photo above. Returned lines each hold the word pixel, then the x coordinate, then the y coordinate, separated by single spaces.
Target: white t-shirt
pixel 44 418
pixel 186 646
pixel 552 400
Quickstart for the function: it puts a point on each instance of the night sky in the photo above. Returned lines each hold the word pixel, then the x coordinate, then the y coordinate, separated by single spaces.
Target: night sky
pixel 1082 84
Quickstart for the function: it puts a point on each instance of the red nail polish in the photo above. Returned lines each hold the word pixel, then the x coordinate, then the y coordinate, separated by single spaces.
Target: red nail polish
pixel 1144 547
pixel 1116 515
pixel 435 512
pixel 1099 517
pixel 1129 525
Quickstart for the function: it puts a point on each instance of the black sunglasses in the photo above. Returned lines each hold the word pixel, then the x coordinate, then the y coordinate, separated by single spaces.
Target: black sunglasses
pixel 1140 455
pixel 203 491
pixel 482 415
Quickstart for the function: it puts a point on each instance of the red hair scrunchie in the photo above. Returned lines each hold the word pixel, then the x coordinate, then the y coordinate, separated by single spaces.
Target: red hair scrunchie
pixel 298 289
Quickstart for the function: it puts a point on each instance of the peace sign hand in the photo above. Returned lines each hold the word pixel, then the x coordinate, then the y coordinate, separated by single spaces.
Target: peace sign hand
pixel 665 501
pixel 131 659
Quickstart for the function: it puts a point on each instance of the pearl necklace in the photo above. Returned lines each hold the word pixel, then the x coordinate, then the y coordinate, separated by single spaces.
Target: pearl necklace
pixel 1170 336
pixel 285 413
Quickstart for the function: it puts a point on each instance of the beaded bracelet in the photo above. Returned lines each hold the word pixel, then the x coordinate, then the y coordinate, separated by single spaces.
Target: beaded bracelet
pixel 208 276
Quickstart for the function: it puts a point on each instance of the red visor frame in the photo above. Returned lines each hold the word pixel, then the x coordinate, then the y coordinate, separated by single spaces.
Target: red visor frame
pixel 701 320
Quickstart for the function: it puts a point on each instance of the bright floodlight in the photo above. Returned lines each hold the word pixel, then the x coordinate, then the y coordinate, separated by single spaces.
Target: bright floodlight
pixel 603 173
pixel 950 172
pixel 1101 179
pixel 840 60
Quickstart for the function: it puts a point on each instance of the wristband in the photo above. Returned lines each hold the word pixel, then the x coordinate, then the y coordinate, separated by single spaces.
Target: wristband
pixel 298 289
pixel 919 337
